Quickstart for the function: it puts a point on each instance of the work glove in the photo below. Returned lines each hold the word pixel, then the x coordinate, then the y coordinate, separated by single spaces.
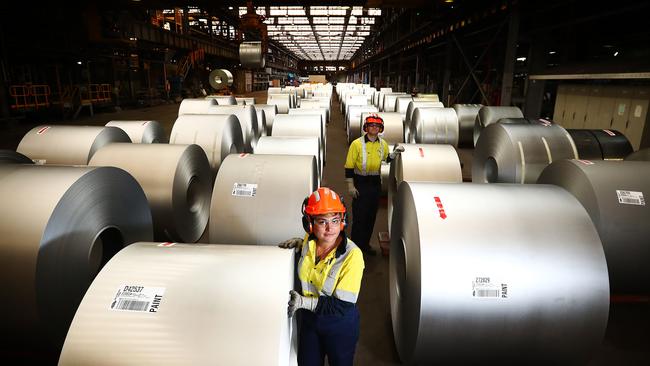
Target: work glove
pixel 352 190
pixel 293 243
pixel 397 149
pixel 298 301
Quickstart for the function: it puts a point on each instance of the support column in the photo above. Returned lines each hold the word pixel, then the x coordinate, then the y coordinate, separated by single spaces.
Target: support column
pixel 447 72
pixel 509 60
pixel 537 58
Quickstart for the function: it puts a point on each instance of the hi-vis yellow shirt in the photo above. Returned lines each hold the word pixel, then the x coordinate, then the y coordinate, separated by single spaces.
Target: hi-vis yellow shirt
pixel 365 156
pixel 338 274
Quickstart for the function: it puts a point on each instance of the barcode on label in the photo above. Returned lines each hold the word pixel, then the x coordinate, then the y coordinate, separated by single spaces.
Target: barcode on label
pixel 487 288
pixel 487 293
pixel 630 198
pixel 244 190
pixel 132 305
pixel 138 298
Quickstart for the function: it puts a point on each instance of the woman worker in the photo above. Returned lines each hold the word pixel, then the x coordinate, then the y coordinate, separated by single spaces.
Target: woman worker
pixel 330 270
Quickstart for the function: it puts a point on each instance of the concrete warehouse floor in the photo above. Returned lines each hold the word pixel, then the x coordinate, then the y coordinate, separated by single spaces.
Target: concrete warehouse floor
pixel 627 341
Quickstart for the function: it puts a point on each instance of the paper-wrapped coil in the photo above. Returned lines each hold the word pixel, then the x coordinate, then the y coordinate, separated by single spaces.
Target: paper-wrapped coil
pixel 12 157
pixel 223 99
pixel 393 126
pixel 141 132
pixel 60 226
pixel 203 308
pixel 245 100
pixel 408 118
pixel 614 194
pixel 517 153
pixel 220 79
pixel 176 180
pixel 422 163
pixel 254 202
pixel 282 101
pixel 247 115
pixel 641 155
pixel 435 126
pixel 301 125
pixel 466 117
pixel 218 135
pixel 251 55
pixel 600 144
pixel 354 121
pixel 196 105
pixel 490 115
pixel 525 284
pixel 270 110
pixel 67 145
pixel 389 101
pixel 291 145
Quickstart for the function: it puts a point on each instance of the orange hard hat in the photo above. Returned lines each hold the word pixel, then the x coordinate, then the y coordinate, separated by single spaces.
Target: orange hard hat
pixel 323 201
pixel 373 118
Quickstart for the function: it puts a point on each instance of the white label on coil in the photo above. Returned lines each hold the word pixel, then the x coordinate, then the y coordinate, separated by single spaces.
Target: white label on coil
pixel 489 288
pixel 145 299
pixel 630 198
pixel 638 110
pixel 39 161
pixel 244 189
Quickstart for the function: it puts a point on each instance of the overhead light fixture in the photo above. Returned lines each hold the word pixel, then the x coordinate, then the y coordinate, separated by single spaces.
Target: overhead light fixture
pixel 522 59
pixel 615 53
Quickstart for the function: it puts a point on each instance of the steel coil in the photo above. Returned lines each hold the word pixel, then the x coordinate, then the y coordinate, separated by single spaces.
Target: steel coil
pixel 282 101
pixel 466 117
pixel 408 118
pixel 141 132
pixel 67 145
pixel 176 180
pixel 251 55
pixel 641 155
pixel 270 110
pixel 12 157
pixel 245 100
pixel 601 144
pixel 223 99
pixel 428 96
pixel 218 136
pixel 220 79
pixel 517 153
pixel 525 284
pixel 261 122
pixel 379 100
pixel 388 104
pixel 384 173
pixel 435 126
pixel 301 125
pixel 196 105
pixel 323 114
pixel 402 104
pixel 247 115
pixel 60 226
pixel 292 145
pixel 614 194
pixel 186 304
pixel 253 202
pixel 317 104
pixel 354 120
pixel 491 115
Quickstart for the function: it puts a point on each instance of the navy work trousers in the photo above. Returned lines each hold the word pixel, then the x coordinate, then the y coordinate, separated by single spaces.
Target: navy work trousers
pixel 364 209
pixel 334 336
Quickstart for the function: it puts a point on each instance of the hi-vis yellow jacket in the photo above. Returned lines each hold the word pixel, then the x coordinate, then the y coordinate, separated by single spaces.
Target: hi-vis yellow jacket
pixel 365 156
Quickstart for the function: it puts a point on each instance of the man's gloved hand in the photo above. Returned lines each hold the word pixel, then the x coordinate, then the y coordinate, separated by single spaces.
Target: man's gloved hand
pixel 292 243
pixel 298 301
pixel 397 149
pixel 352 190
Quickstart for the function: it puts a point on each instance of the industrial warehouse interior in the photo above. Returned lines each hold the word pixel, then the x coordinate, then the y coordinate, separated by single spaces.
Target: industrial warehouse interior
pixel 343 182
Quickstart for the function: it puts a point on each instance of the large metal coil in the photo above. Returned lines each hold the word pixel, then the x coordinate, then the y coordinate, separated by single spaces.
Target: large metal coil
pixel 388 104
pixel 247 115
pixel 67 145
pixel 402 104
pixel 490 115
pixel 614 194
pixel 220 79
pixel 354 99
pixel 641 155
pixel 466 117
pixel 435 126
pixel 384 173
pixel 261 121
pixel 393 127
pixel 270 110
pixel 245 100
pixel 428 96
pixel 274 90
pixel 354 121
pixel 601 144
pixel 176 180
pixel 253 202
pixel 218 136
pixel 422 163
pixel 379 98
pixel 282 101
pixel 302 125
pixel 223 99
pixel 317 104
pixel 292 145
pixel 196 105
pixel 323 114
pixel 12 157
pixel 60 226
pixel 251 55
pixel 141 132
pixel 194 304
pixel 525 284
pixel 517 153
pixel 408 118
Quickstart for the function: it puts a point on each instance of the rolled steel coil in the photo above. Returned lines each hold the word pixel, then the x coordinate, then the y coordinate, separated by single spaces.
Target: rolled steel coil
pixel 517 153
pixel 142 132
pixel 270 110
pixel 435 126
pixel 67 145
pixel 354 99
pixel 422 163
pixel 292 145
pixel 601 144
pixel 641 155
pixel 176 180
pixel 223 99
pixel 323 115
pixel 261 122
pixel 354 121
pixel 218 136
pixel 247 115
pixel 491 115
pixel 525 284
pixel 408 118
pixel 245 100
pixel 614 194
pixel 282 101
pixel 220 79
pixel 428 96
pixel 393 126
pixel 251 55
pixel 196 105
pixel 317 104
pixel 388 104
pixel 254 203
pixel 301 125
pixel 379 100
pixel 12 157
pixel 384 173
pixel 60 226
pixel 186 304
pixel 466 117
pixel 402 104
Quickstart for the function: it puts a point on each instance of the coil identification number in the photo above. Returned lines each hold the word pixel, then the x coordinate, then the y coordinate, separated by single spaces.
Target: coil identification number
pixel 630 198
pixel 244 189
pixel 488 288
pixel 145 299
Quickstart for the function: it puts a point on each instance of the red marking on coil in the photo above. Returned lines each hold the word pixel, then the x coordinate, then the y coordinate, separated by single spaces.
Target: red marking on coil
pixel 166 244
pixel 586 162
pixel 441 208
pixel 145 122
pixel 42 130
pixel 609 132
pixel 243 155
pixel 421 152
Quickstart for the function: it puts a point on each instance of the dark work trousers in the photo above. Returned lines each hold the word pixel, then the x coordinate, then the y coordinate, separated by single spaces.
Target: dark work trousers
pixel 334 336
pixel 364 209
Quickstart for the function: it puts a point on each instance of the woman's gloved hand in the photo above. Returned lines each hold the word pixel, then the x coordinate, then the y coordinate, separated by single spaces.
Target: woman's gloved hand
pixel 292 243
pixel 298 301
